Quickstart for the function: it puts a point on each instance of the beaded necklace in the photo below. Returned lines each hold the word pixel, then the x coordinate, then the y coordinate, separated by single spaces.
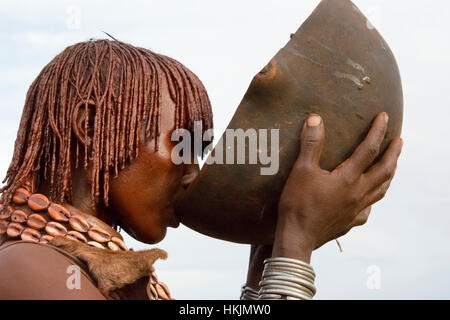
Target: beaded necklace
pixel 33 217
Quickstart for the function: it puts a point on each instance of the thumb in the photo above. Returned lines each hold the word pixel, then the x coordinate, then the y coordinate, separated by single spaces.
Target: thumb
pixel 312 140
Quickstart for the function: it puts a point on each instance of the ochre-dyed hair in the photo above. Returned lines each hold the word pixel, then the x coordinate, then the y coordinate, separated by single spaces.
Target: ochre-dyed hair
pixel 124 84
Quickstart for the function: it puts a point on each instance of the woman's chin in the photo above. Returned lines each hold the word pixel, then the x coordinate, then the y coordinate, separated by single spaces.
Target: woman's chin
pixel 150 236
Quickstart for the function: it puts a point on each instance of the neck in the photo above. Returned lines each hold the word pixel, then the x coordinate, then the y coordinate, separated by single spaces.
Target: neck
pixel 82 197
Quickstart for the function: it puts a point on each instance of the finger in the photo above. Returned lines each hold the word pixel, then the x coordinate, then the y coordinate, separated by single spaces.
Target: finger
pixel 340 234
pixel 384 170
pixel 312 140
pixel 362 217
pixel 378 193
pixel 369 149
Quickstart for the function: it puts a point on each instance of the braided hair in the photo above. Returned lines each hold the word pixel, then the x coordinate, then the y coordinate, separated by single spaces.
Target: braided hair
pixel 124 83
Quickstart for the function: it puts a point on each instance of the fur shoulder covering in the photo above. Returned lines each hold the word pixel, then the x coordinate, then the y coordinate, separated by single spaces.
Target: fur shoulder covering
pixel 112 270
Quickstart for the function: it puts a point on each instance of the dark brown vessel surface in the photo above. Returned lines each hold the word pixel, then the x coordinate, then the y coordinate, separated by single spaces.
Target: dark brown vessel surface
pixel 336 65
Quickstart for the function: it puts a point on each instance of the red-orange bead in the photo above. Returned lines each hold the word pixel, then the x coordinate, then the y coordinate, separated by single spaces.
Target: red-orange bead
pixel 58 212
pixel 38 202
pixel 21 196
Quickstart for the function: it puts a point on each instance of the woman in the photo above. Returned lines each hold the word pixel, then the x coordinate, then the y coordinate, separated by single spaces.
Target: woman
pixel 93 152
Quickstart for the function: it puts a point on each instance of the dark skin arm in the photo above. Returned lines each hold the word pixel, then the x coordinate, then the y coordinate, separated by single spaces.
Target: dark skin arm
pixel 258 253
pixel 316 205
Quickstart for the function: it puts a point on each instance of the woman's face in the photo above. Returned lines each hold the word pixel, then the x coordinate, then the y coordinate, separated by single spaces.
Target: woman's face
pixel 144 193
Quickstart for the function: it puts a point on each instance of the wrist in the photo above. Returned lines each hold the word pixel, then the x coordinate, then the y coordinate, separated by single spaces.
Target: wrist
pixel 258 254
pixel 291 240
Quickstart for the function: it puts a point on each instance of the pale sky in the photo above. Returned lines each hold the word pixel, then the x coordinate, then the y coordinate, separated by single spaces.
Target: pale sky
pixel 226 43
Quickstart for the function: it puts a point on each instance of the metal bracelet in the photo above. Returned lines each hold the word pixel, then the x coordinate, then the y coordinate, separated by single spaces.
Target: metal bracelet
pixel 288 265
pixel 248 293
pixel 289 260
pixel 290 271
pixel 285 292
pixel 290 282
pixel 287 279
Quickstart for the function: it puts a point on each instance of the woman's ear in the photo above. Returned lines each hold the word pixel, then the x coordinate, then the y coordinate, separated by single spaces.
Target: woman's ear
pixel 190 172
pixel 83 131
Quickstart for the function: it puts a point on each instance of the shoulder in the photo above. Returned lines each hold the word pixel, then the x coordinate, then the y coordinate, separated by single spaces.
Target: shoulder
pixel 36 271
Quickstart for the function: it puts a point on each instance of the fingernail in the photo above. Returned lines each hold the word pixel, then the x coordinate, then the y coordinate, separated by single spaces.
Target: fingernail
pixel 386 117
pixel 314 120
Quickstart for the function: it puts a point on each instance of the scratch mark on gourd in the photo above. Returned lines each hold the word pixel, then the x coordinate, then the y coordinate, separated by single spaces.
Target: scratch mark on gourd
pixel 351 77
pixel 355 65
pixel 321 44
pixel 298 54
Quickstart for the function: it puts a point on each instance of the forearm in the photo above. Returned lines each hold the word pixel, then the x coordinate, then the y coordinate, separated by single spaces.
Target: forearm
pixel 258 253
pixel 290 242
pixel 260 282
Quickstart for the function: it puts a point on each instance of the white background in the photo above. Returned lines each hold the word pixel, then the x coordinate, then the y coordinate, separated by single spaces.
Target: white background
pixel 226 43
